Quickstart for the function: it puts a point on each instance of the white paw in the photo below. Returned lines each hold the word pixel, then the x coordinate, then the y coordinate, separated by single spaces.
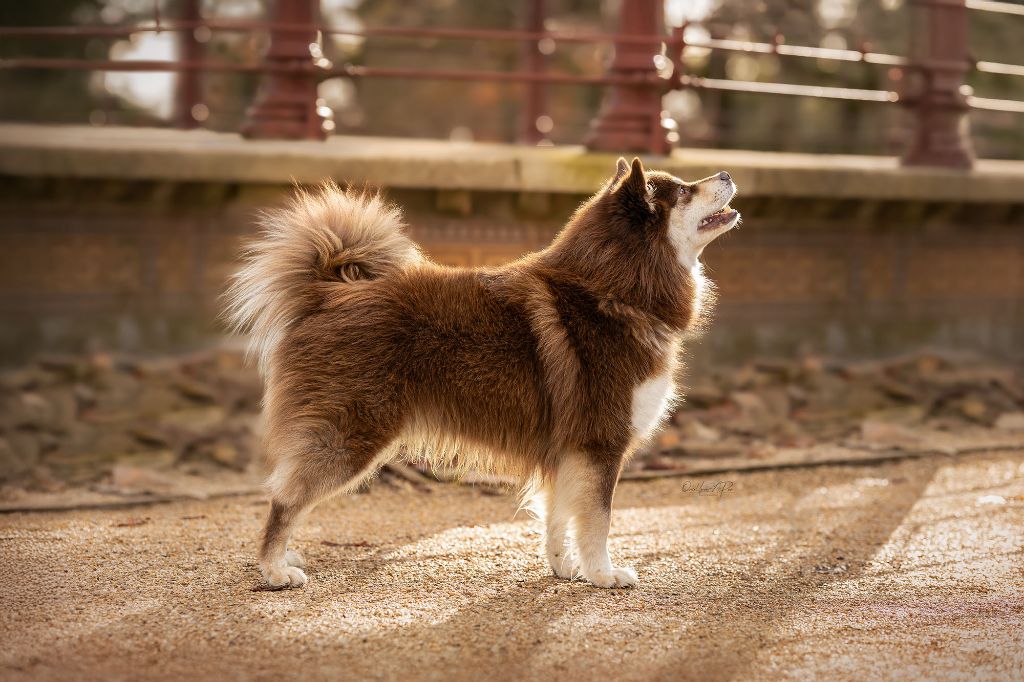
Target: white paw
pixel 564 565
pixel 287 576
pixel 615 577
pixel 293 558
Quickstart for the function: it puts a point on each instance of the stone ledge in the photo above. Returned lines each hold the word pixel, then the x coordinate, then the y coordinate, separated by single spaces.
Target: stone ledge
pixel 148 154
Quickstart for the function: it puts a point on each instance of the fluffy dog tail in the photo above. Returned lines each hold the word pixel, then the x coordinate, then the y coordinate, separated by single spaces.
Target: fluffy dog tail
pixel 325 235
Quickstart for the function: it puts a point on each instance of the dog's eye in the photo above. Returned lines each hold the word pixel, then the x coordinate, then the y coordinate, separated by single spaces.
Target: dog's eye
pixel 684 190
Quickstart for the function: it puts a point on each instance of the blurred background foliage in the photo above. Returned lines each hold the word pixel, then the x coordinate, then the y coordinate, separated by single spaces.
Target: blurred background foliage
pixel 490 111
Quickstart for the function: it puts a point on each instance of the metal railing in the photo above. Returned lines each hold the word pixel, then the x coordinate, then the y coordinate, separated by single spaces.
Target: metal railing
pixel 648 62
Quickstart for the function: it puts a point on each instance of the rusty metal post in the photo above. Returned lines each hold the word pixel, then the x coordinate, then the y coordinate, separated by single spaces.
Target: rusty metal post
pixel 188 92
pixel 938 65
pixel 286 105
pixel 534 62
pixel 630 116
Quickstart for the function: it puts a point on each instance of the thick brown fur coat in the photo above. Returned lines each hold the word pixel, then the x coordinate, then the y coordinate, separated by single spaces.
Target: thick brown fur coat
pixel 530 369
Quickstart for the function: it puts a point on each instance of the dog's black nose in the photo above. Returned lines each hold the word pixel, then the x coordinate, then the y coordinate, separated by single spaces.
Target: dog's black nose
pixel 724 176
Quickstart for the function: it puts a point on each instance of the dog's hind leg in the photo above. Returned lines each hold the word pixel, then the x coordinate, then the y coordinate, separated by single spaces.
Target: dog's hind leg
pixel 583 490
pixel 304 476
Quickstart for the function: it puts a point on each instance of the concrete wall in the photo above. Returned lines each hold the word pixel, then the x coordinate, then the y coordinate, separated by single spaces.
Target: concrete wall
pixel 123 238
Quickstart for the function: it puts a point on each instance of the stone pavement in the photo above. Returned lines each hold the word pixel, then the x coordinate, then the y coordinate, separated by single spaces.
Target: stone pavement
pixel 903 570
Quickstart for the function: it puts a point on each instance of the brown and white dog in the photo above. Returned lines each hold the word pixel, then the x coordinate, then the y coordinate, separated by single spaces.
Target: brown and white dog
pixel 551 369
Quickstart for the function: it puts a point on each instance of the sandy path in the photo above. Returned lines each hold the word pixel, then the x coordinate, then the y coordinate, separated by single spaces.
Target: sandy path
pixel 911 569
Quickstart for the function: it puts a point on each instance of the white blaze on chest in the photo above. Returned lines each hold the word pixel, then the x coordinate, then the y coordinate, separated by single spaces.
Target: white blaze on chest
pixel 697 273
pixel 651 400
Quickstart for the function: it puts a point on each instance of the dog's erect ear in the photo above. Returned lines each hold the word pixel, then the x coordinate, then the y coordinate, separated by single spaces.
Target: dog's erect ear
pixel 636 179
pixel 621 168
pixel 634 184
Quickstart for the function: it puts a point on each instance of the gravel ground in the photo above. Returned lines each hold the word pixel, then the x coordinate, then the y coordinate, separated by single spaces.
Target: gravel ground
pixel 905 570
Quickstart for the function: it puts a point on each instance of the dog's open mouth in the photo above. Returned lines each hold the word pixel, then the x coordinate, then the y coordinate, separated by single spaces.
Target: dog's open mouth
pixel 718 218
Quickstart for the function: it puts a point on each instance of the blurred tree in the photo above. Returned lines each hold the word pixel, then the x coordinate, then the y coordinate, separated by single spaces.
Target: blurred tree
pixel 787 123
pixel 47 95
pixel 996 37
pixel 227 95
pixel 64 95
pixel 472 109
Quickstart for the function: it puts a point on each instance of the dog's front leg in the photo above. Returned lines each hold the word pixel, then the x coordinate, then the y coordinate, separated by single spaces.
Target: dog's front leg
pixel 555 512
pixel 583 490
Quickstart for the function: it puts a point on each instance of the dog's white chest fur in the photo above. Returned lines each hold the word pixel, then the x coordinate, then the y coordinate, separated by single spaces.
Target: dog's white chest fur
pixel 653 397
pixel 651 401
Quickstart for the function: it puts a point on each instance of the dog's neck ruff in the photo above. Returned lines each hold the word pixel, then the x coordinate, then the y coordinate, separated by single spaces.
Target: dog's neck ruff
pixel 644 326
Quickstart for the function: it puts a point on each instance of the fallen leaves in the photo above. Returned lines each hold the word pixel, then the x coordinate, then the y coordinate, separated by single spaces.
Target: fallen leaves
pixel 162 428
pixel 807 410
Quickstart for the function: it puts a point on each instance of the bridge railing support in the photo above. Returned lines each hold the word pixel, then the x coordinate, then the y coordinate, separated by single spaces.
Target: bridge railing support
pixel 934 91
pixel 630 115
pixel 286 107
